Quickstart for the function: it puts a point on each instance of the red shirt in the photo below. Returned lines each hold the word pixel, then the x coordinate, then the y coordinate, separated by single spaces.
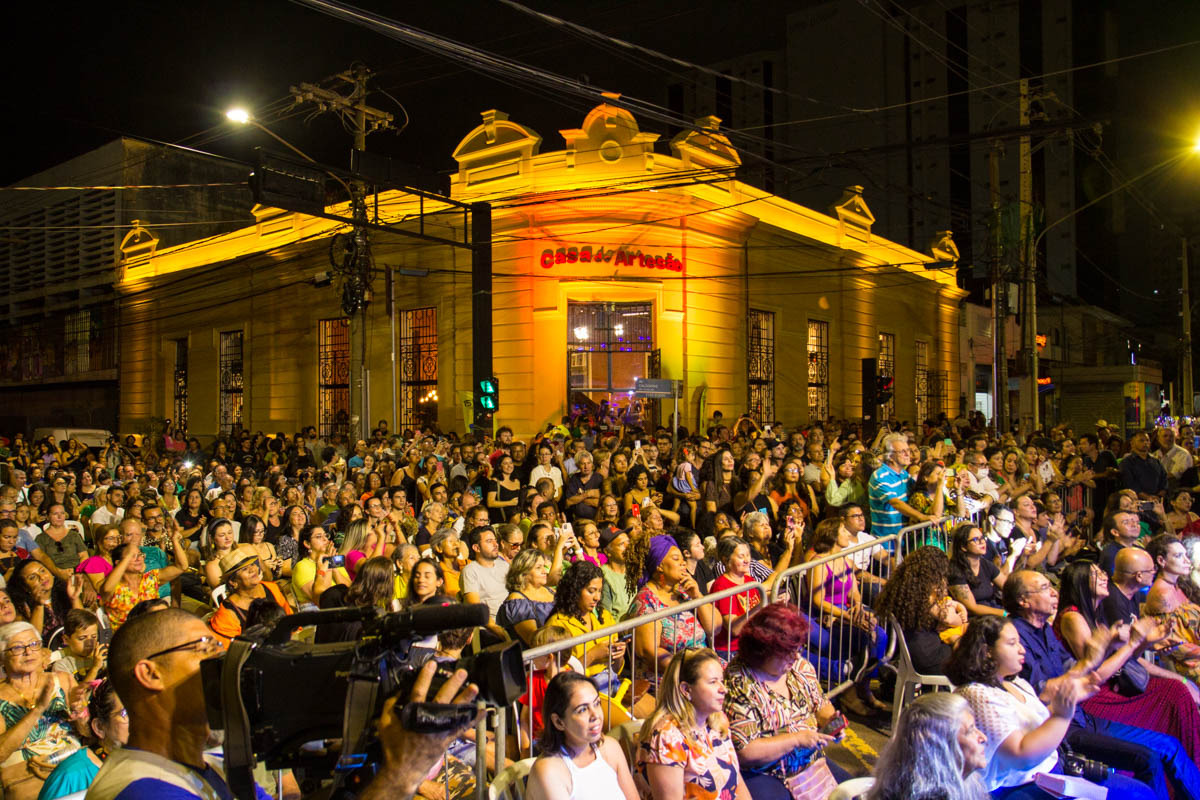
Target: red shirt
pixel 732 606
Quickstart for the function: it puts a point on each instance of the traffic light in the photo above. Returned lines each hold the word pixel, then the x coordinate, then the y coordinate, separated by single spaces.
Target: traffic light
pixel 487 395
pixel 884 385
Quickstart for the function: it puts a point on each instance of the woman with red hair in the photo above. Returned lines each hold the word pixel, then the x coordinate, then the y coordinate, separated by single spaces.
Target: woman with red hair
pixel 776 707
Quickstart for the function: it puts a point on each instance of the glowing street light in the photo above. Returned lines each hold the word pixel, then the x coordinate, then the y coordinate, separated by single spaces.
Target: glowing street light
pixel 239 115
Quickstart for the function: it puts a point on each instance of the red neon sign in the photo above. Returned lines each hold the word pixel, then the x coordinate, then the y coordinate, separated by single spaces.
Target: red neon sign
pixel 617 256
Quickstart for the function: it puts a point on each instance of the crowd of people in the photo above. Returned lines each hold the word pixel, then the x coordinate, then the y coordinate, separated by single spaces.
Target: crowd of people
pixel 1041 575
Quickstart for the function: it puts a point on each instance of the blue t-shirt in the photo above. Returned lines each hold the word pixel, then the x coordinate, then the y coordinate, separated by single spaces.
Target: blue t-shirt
pixel 886 484
pixel 73 774
pixel 131 774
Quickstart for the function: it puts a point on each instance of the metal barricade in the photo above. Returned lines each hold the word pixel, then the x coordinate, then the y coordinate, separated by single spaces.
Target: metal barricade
pixel 628 626
pixel 841 650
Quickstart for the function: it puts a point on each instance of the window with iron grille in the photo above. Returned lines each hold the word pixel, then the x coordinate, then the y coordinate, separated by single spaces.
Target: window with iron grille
pixel 609 346
pixel 418 368
pixel 887 366
pixel 180 389
pixel 333 376
pixel 760 365
pixel 921 378
pixel 77 335
pixel 232 381
pixel 818 370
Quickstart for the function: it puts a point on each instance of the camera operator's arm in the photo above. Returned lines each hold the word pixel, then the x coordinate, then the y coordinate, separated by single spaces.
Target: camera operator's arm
pixel 408 756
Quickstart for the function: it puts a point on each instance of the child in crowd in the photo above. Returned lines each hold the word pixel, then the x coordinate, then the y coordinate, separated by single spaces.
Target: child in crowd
pixel 544 669
pixel 83 656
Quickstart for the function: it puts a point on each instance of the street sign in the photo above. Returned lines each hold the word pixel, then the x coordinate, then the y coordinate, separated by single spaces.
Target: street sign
pixel 653 388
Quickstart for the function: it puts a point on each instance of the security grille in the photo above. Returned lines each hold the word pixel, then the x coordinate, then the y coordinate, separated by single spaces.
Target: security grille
pixel 181 384
pixel 760 365
pixel 887 366
pixel 232 381
pixel 818 370
pixel 333 376
pixel 418 368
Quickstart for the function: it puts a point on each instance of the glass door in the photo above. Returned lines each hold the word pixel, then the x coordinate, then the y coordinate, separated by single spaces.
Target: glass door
pixel 609 346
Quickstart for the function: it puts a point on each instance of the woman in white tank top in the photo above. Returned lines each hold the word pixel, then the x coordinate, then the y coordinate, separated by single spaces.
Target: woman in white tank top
pixel 578 761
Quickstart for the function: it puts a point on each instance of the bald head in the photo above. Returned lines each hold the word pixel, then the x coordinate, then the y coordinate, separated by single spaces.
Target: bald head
pixel 130 527
pixel 1133 568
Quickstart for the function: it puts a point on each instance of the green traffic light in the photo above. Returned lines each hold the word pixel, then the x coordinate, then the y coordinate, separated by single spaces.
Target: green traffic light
pixel 487 386
pixel 488 403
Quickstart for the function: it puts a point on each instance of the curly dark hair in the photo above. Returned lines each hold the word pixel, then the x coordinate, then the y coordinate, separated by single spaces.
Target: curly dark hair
pixel 635 559
pixel 972 661
pixel 915 585
pixel 571 585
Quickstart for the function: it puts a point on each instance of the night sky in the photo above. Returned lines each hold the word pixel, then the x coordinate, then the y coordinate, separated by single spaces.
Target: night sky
pixel 169 70
pixel 81 74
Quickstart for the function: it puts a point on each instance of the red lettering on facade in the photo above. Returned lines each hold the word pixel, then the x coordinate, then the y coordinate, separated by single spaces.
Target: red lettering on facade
pixel 618 256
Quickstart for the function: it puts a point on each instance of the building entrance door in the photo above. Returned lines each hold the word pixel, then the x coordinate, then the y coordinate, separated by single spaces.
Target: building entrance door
pixel 609 346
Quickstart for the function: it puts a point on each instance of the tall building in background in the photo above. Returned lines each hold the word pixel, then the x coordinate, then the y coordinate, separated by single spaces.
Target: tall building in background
pixel 922 103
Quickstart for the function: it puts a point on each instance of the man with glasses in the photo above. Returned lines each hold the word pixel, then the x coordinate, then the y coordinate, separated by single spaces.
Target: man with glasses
pixel 1154 758
pixel 979 483
pixel 154 664
pixel 888 489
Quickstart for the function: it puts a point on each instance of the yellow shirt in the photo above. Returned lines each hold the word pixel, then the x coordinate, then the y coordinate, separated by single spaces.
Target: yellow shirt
pixel 577 627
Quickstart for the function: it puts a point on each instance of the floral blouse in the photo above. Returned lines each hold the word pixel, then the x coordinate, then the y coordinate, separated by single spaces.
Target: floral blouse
pixel 710 764
pixel 52 734
pixel 124 599
pixel 755 710
pixel 680 631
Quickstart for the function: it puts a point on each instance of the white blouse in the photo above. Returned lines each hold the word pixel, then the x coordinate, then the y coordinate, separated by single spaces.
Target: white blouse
pixel 999 714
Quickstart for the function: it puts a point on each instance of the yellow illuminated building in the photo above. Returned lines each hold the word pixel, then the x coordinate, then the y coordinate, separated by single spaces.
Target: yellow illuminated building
pixel 611 261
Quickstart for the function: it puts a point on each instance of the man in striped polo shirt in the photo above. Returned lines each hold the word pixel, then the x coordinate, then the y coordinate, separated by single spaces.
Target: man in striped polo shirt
pixel 888 489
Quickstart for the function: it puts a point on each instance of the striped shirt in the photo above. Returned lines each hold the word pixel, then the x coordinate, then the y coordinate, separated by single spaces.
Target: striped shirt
pixel 886 484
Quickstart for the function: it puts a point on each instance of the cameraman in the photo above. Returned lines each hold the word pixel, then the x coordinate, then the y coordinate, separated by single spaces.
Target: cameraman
pixel 155 667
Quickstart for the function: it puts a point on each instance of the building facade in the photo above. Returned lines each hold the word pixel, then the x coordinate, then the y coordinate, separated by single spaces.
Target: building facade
pixel 612 260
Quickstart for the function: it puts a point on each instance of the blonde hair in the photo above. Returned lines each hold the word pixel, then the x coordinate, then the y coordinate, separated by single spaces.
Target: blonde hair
pixel 684 667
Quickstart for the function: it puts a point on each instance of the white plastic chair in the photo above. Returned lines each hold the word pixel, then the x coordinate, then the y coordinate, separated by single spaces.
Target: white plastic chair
pixel 218 594
pixel 852 789
pixel 626 735
pixel 510 783
pixel 907 677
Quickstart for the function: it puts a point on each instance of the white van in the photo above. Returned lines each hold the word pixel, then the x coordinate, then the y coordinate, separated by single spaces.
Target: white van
pixel 88 437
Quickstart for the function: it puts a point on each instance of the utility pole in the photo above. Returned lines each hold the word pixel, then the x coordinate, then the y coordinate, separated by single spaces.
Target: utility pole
pixel 1188 410
pixel 1029 252
pixel 363 119
pixel 999 301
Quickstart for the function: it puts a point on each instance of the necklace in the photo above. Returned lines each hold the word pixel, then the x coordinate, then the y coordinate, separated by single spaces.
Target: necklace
pixel 29 702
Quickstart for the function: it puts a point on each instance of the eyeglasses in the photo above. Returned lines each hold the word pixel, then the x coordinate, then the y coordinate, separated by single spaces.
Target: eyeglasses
pixel 204 644
pixel 975 540
pixel 1041 589
pixel 1137 573
pixel 22 649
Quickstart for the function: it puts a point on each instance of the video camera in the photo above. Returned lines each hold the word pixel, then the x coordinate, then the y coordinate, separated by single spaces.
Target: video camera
pixel 272 695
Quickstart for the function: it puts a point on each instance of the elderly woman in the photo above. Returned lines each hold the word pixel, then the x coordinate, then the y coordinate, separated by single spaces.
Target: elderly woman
pixel 685 743
pixel 44 713
pixel 242 573
pixel 130 583
pixel 776 708
pixel 530 601
pixel 935 751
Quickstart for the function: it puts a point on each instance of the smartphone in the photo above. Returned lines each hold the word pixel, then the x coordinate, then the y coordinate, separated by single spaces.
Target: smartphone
pixel 835 726
pixel 1147 505
pixel 637 444
pixel 336 561
pixel 104 636
pixel 567 529
pixel 947 442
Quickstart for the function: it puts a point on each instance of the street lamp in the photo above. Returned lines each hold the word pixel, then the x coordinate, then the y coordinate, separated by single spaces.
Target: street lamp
pixel 241 116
